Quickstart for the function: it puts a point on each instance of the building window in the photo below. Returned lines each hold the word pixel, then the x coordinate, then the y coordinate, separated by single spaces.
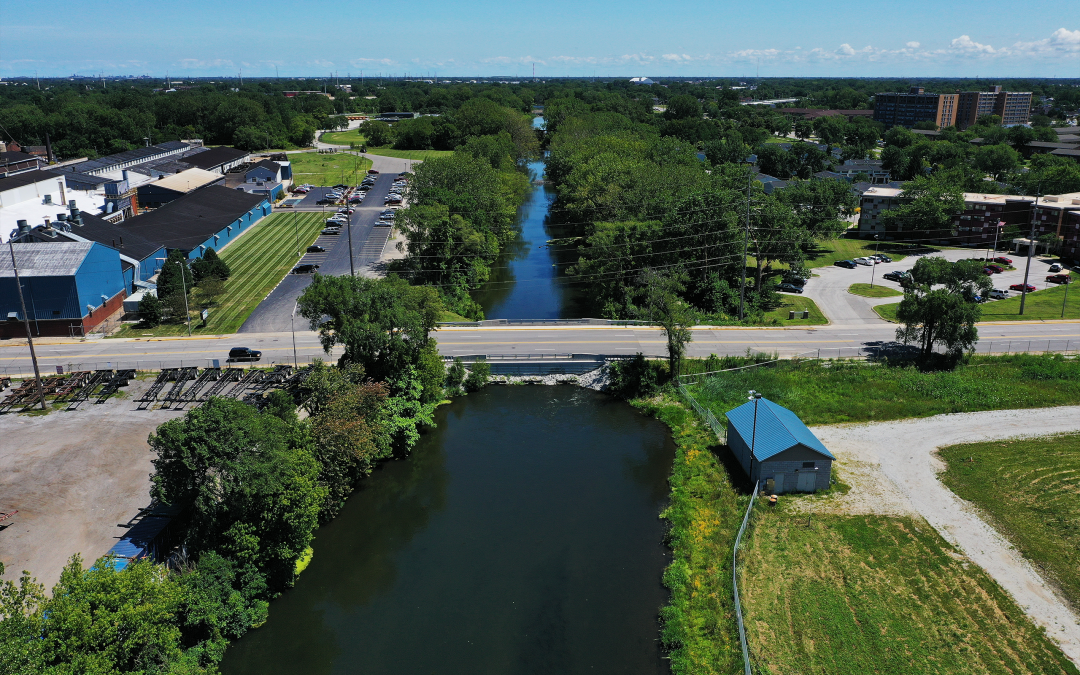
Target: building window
pixel 809 465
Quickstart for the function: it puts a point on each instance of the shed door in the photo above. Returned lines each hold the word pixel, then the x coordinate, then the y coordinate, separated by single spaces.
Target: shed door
pixel 778 483
pixel 807 481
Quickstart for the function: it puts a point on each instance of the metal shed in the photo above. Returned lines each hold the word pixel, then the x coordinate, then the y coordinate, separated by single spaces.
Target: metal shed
pixel 776 449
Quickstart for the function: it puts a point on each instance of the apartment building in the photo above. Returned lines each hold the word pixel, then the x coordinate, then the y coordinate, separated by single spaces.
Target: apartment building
pixel 1013 107
pixel 905 110
pixel 984 217
pixel 1060 214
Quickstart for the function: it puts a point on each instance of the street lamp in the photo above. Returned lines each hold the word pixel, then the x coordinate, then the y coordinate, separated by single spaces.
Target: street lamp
pixel 751 161
pixel 348 224
pixel 755 397
pixel 292 323
pixel 183 285
pixel 873 268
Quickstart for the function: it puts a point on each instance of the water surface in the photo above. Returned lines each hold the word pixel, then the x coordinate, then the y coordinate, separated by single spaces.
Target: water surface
pixel 521 536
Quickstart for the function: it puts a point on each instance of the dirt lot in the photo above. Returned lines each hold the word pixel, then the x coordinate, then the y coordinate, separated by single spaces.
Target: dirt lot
pixel 73 476
pixel 892 468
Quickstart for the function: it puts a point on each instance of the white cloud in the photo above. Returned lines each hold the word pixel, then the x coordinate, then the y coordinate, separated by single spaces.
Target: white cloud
pixel 845 50
pixel 912 45
pixel 965 44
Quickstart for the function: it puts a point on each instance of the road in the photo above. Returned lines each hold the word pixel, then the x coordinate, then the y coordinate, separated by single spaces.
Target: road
pixel 829 288
pixel 277 347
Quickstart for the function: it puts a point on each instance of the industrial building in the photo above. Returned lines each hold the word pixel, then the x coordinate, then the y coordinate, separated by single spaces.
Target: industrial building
pixel 776 449
pixel 69 288
pixel 157 193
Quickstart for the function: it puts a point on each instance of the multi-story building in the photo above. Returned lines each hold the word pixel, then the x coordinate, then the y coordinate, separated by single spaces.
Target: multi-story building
pixel 905 110
pixel 1060 214
pixel 1013 107
pixel 983 219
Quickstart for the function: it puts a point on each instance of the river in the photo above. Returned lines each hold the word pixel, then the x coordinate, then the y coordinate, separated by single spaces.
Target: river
pixel 527 281
pixel 520 536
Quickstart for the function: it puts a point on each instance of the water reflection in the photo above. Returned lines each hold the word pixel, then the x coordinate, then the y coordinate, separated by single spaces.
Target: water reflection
pixel 521 537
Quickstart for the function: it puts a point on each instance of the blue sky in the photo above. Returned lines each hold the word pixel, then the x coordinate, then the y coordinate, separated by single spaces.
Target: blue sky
pixel 484 37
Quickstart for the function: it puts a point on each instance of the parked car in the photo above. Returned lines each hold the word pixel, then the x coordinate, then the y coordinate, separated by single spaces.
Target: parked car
pixel 1058 278
pixel 883 258
pixel 346 211
pixel 897 275
pixel 1003 260
pixel 849 264
pixel 332 230
pixel 306 268
pixel 996 269
pixel 244 354
pixel 1056 267
pixel 791 288
pixel 998 294
pixel 325 200
pixel 315 249
pixel 372 172
pixel 1020 287
pixel 865 261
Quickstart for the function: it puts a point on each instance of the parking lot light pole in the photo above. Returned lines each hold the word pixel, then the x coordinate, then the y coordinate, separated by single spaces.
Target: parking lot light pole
pixel 26 325
pixel 1068 280
pixel 292 323
pixel 348 220
pixel 873 268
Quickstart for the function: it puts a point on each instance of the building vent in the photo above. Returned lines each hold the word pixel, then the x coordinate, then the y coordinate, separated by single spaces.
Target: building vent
pixel 48 199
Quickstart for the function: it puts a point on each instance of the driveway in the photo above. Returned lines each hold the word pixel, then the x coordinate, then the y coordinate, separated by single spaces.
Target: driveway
pixel 829 288
pixel 893 468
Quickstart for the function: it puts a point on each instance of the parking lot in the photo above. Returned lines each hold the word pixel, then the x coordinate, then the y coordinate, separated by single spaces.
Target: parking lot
pixel 829 288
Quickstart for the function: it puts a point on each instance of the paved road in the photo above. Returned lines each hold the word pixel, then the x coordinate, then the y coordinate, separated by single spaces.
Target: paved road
pixel 829 289
pixel 826 341
pixel 275 312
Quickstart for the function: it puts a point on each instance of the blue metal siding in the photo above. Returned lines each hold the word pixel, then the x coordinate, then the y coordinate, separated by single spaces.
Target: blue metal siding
pixel 44 297
pixel 150 265
pixel 286 171
pixel 238 226
pixel 261 173
pixel 99 276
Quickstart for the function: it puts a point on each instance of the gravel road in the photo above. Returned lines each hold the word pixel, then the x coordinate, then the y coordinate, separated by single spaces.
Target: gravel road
pixel 893 469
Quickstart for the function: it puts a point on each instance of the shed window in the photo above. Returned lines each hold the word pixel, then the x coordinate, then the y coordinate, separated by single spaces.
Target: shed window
pixel 809 465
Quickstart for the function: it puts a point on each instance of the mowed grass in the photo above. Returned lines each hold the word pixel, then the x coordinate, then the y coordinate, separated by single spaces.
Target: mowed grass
pixel 848 391
pixel 328 169
pixel 875 291
pixel 1040 305
pixel 1030 488
pixel 797 303
pixel 831 250
pixel 870 594
pixel 410 154
pixel 258 260
pixel 887 311
pixel 343 137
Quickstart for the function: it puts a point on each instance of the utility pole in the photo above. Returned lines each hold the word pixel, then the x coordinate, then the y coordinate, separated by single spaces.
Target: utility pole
pixel 873 268
pixel 751 160
pixel 348 221
pixel 26 324
pixel 292 323
pixel 183 285
pixel 1031 250
pixel 1066 298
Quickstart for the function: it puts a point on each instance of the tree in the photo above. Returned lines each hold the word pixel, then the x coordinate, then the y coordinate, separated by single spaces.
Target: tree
pixel 997 160
pixel 378 134
pixel 929 212
pixel 831 129
pixel 209 266
pixel 804 129
pixel 683 107
pixel 1019 136
pixel 175 275
pixel 671 312
pixel 210 290
pixel 939 305
pixel 150 310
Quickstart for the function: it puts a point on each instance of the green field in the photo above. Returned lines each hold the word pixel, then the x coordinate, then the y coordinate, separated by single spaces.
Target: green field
pixel 409 154
pixel 1030 489
pixel 797 303
pixel 343 137
pixel 857 595
pixel 827 392
pixel 1040 306
pixel 829 251
pixel 875 291
pixel 328 169
pixel 258 260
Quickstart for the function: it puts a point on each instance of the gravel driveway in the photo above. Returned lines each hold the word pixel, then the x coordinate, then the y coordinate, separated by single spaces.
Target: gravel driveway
pixel 893 469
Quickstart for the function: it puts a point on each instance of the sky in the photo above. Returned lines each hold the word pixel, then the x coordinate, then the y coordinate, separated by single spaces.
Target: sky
pixel 990 38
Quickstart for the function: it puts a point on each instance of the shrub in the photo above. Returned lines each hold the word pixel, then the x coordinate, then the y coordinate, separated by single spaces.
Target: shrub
pixel 478 376
pixel 455 375
pixel 150 310
pixel 634 378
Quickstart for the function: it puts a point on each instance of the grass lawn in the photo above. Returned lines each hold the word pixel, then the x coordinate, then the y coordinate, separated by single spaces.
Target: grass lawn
pixel 409 154
pixel 344 137
pixel 258 260
pixel 1029 490
pixel 1039 305
pixel 877 291
pixel 828 252
pixel 887 312
pixel 328 169
pixel 827 392
pixel 871 594
pixel 797 303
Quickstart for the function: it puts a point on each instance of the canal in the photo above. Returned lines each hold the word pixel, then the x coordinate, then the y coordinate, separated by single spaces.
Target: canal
pixel 527 281
pixel 521 536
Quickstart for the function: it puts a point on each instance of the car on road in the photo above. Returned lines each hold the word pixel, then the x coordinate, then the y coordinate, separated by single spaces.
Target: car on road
pixel 1003 260
pixel 998 294
pixel 244 354
pixel 332 230
pixel 305 268
pixel 1058 278
pixel 1020 287
pixel 996 269
pixel 790 288
pixel 896 275
pixel 315 249
pixel 865 261
pixel 849 264
pixel 1056 267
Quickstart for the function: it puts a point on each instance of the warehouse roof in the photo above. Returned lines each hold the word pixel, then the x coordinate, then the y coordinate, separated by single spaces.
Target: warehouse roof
pixel 132 242
pixel 777 429
pixel 60 259
pixel 186 181
pixel 25 178
pixel 214 157
pixel 188 221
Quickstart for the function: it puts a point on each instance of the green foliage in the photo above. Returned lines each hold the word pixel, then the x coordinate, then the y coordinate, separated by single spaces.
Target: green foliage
pixel 668 310
pixel 378 134
pixel 281 405
pixel 150 310
pixel 209 266
pixel 175 277
pixel 933 204
pixel 477 379
pixel 455 376
pixel 634 378
pixel 939 304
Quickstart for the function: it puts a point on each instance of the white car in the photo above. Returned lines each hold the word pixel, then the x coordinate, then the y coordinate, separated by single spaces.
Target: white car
pixel 998 294
pixel 865 261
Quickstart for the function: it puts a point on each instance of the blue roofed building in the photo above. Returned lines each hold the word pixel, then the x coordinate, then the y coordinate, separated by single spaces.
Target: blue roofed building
pixel 776 449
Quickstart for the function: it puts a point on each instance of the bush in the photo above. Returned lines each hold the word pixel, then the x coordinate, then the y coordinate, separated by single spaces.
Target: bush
pixel 478 376
pixel 150 310
pixel 210 266
pixel 455 375
pixel 634 378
